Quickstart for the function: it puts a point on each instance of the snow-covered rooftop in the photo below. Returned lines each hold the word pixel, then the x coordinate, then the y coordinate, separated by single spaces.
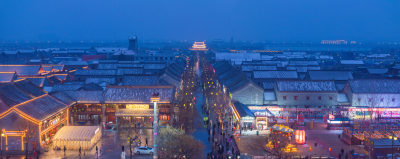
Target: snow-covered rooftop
pixel 306 86
pixel 137 94
pixel 275 74
pixel 375 86
pixel 330 75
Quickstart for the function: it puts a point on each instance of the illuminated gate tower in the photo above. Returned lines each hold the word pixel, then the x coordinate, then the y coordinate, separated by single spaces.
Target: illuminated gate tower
pixel 199 46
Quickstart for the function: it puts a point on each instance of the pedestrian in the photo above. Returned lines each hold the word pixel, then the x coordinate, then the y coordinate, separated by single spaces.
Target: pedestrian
pixel 123 155
pixel 65 149
pixel 146 142
pixel 80 151
pixel 35 154
pixel 97 151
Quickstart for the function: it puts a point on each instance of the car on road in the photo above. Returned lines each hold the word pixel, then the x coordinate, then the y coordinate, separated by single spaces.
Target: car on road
pixel 144 150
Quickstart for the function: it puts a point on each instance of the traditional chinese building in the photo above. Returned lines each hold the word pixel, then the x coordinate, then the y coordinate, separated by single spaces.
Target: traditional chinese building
pixel 199 46
pixel 28 114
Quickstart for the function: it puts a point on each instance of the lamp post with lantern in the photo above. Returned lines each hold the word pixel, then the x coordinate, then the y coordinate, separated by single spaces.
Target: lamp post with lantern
pixel 1 142
pixel 155 98
pixel 393 138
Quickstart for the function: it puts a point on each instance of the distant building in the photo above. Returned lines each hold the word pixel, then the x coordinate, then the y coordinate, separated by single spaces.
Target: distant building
pixel 199 46
pixel 133 44
pixel 334 42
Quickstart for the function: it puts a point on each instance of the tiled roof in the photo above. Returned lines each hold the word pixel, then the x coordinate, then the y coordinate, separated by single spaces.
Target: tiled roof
pixel 67 87
pixel 352 62
pixel 91 87
pixel 29 88
pixel 269 85
pixel 140 80
pixel 375 86
pixel 174 71
pixel 21 69
pixel 101 80
pixel 107 66
pixel 7 76
pixel 243 110
pixel 258 68
pixel 330 75
pixel 137 94
pixel 63 97
pixel 377 70
pixel 42 107
pixel 306 86
pixel 130 71
pixel 96 72
pixel 18 92
pixel 276 74
pixel 303 63
pixel 13 121
pixel 230 76
pixel 154 66
pixel 10 94
pixel 83 96
pixel 74 63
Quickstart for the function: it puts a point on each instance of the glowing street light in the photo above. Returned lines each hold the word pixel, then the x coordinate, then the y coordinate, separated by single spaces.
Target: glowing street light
pixel 155 98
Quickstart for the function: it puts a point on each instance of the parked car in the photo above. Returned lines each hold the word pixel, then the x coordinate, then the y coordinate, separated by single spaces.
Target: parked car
pixel 144 150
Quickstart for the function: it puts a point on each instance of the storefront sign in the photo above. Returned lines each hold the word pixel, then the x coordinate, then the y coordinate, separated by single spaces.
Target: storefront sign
pixel 374 109
pixel 137 106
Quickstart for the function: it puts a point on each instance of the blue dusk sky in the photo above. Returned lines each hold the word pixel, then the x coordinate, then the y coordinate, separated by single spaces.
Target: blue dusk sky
pixel 274 20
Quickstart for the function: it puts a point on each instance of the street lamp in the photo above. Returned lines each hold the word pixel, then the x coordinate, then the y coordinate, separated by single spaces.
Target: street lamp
pixel 1 142
pixel 393 138
pixel 155 98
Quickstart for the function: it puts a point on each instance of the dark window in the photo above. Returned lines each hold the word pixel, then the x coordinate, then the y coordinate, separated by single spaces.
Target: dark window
pixel 295 97
pixel 359 99
pixel 393 99
pixel 369 99
pixel 330 98
pixel 381 99
pixel 319 97
pixel 284 97
pixel 308 98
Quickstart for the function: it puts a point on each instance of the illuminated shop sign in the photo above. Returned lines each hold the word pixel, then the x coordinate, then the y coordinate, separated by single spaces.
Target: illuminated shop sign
pixel 374 109
pixel 137 106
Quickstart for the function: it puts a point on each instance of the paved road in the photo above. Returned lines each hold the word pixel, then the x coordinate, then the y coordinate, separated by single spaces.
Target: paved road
pixel 109 146
pixel 201 132
pixel 324 140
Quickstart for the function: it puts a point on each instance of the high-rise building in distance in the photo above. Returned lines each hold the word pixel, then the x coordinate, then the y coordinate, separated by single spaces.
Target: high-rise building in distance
pixel 133 43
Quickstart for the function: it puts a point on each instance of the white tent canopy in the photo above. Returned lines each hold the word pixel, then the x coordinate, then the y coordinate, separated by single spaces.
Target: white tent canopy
pixel 73 137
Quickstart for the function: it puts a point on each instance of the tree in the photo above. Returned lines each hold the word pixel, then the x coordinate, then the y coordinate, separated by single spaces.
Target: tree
pixel 174 143
pixel 31 135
